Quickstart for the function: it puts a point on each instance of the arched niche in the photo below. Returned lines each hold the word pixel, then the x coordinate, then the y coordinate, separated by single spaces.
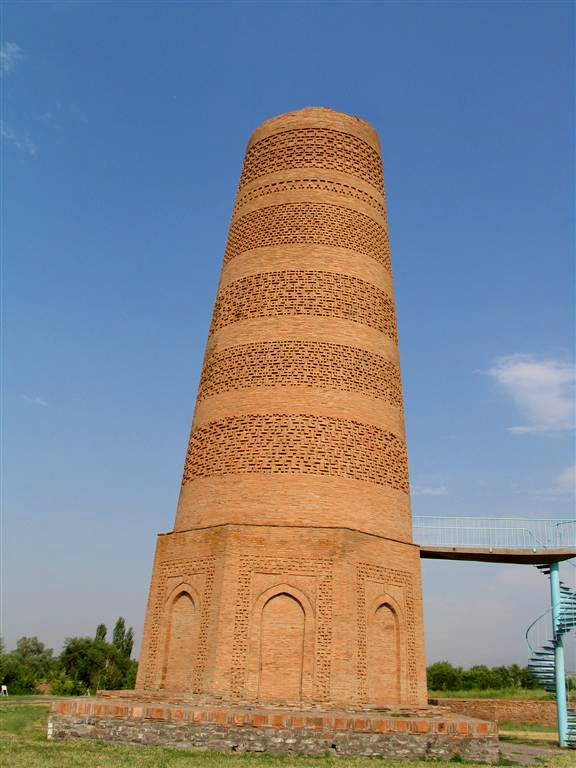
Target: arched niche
pixel 181 640
pixel 281 649
pixel 385 652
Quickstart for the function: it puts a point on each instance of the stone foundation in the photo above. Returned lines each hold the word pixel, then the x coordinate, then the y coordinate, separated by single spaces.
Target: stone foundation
pixel 426 733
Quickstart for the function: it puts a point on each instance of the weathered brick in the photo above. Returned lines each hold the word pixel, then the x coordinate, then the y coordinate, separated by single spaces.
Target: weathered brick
pixel 297 452
pixel 277 721
pixel 497 710
pixel 259 720
pixel 219 729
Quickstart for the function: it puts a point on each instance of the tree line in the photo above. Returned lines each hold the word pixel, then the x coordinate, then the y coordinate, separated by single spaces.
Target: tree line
pixel 87 664
pixel 443 676
pixel 84 665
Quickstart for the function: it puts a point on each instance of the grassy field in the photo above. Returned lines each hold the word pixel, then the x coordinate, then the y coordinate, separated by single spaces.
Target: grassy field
pixel 23 744
pixel 509 725
pixel 528 734
pixel 526 694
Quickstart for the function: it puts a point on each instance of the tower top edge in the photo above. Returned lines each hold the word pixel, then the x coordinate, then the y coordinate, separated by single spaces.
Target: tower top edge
pixel 317 117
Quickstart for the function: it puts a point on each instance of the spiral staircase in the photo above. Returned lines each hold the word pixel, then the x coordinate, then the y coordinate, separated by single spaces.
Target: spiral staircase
pixel 545 658
pixel 543 542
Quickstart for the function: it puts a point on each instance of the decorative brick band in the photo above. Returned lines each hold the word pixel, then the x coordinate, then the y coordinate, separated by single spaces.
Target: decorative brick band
pixel 310 183
pixel 313 148
pixel 312 364
pixel 297 444
pixel 308 224
pixel 305 292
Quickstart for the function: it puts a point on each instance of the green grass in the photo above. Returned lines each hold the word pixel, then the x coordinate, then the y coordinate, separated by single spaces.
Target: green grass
pixel 527 694
pixel 510 725
pixel 22 720
pixel 23 744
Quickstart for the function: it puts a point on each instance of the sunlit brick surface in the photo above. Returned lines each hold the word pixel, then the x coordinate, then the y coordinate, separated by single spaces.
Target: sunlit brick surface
pixel 305 292
pixel 298 223
pixel 309 147
pixel 290 575
pixel 313 364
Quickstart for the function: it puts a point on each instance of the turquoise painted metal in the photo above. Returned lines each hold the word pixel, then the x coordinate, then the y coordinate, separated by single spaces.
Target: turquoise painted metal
pixel 540 536
pixel 547 661
pixel 559 668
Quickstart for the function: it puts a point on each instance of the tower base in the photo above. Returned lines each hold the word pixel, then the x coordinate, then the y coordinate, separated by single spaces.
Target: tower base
pixel 308 616
pixel 126 717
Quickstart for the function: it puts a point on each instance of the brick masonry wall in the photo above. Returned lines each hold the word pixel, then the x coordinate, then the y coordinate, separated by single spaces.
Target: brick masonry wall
pixel 499 710
pixel 291 574
pixel 338 627
pixel 305 295
pixel 311 733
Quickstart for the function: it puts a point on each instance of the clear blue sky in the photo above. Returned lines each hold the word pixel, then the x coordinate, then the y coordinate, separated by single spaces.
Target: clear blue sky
pixel 124 127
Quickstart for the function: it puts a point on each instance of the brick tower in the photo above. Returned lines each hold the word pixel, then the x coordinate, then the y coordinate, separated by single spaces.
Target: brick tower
pixel 291 575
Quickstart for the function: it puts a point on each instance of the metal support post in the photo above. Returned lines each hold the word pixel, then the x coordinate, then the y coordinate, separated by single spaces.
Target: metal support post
pixel 559 671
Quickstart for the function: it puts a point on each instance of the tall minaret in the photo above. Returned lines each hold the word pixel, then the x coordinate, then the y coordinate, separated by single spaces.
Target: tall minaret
pixel 291 574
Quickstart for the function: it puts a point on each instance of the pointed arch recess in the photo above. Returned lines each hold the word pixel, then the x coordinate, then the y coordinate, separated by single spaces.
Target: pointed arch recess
pixel 182 623
pixel 386 651
pixel 281 637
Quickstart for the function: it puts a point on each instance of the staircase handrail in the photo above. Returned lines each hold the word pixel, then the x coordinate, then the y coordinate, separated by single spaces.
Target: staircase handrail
pixel 494 532
pixel 546 662
pixel 546 613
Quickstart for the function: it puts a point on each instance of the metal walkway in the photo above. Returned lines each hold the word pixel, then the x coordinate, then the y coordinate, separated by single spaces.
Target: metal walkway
pixel 544 543
pixel 496 539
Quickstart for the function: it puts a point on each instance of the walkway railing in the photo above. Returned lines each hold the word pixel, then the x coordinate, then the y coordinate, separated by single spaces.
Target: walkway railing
pixel 494 533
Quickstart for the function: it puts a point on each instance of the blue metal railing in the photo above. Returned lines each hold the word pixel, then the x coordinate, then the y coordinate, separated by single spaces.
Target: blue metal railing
pixel 547 663
pixel 494 533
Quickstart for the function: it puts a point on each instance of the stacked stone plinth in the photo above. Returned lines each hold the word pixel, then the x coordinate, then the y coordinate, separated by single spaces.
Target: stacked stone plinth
pixel 291 575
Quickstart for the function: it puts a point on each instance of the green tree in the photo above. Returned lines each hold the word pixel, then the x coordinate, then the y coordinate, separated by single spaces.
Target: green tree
pixel 526 679
pixel 28 664
pixel 501 677
pixel 101 633
pixel 33 654
pixel 94 664
pixel 129 681
pixel 128 642
pixel 122 638
pixel 478 676
pixel 119 634
pixel 62 685
pixel 17 677
pixel 515 676
pixel 86 662
pixel 442 676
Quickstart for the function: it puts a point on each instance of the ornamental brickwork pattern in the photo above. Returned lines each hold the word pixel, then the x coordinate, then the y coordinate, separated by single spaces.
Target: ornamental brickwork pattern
pixel 297 444
pixel 386 576
pixel 296 474
pixel 311 364
pixel 321 569
pixel 310 184
pixel 308 224
pixel 305 292
pixel 183 570
pixel 313 148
